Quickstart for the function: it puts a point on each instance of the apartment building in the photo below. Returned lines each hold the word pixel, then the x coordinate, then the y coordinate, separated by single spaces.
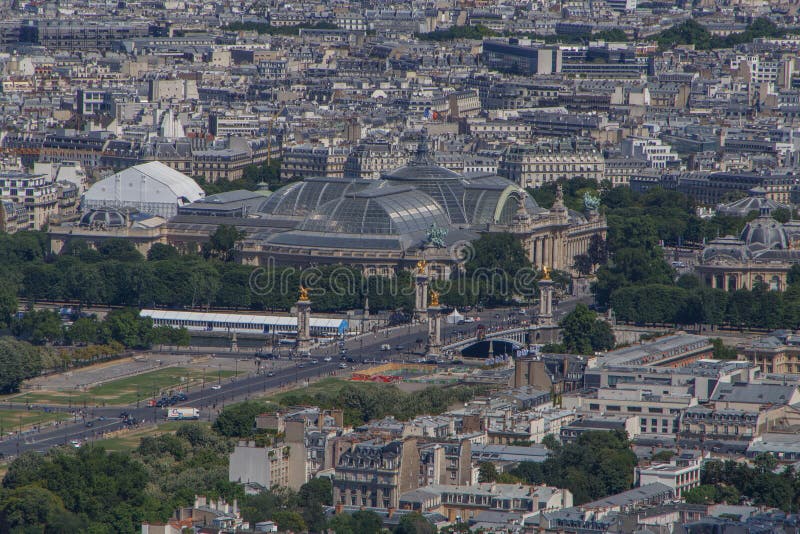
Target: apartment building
pixel 306 161
pixel 681 474
pixel 265 466
pixel 445 462
pixel 374 473
pixel 655 152
pixel 38 194
pixel 618 171
pixel 774 354
pixel 466 502
pixel 536 165
pixel 369 160
pixel 658 407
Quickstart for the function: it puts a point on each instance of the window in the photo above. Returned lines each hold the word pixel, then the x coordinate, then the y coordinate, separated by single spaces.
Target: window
pixel 635 409
pixel 655 410
pixel 611 408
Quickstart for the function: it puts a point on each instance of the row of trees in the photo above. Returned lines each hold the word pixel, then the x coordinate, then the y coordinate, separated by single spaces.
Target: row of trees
pixel 92 490
pixel 687 303
pixel 597 465
pixel 253 177
pixel 496 271
pixel 474 31
pixel 642 287
pixel 117 274
pixel 123 326
pixel 730 482
pixel 361 403
pixel 693 33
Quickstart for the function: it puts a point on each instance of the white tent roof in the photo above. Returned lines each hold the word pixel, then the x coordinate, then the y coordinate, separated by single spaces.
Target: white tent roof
pixel 151 182
pixel 240 318
pixel 454 317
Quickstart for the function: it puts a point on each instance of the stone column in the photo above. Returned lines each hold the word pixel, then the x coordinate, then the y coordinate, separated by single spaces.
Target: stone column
pixel 434 347
pixel 303 325
pixel 421 297
pixel 545 252
pixel 545 317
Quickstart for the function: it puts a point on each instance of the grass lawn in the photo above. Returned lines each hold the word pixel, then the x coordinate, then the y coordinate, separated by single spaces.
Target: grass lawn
pixel 130 440
pixel 13 419
pixel 326 385
pixel 125 390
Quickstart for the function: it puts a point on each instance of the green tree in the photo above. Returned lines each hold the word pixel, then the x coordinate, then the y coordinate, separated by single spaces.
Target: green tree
pixel 793 277
pixel 160 251
pixel 703 494
pixel 583 264
pixel 18 361
pixel 722 351
pixel 84 330
pixel 782 215
pixel 263 506
pixel 289 520
pixel 663 456
pixel 120 250
pixel 598 250
pixel 222 242
pixel 414 523
pixel 487 472
pixel 599 464
pixel 475 31
pixel 238 420
pixel 317 489
pixel 493 264
pixel 584 333
pixel 8 304
pixel 128 328
pixel 38 327
pixel 551 442
pixel 35 509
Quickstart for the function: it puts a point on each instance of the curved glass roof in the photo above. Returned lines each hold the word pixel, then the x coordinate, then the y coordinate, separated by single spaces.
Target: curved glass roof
pixel 302 198
pixel 422 167
pixel 379 209
pixel 493 199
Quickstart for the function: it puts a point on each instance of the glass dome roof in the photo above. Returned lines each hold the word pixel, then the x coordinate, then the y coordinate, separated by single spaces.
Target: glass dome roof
pixel 765 233
pixel 104 217
pixel 422 167
pixel 302 198
pixel 493 199
pixel 380 209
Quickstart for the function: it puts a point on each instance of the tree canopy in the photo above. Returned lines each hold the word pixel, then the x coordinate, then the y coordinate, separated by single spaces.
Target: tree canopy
pixel 597 465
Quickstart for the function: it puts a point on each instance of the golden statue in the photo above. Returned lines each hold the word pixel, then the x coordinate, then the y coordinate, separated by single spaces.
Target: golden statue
pixel 421 264
pixel 434 298
pixel 546 272
pixel 303 294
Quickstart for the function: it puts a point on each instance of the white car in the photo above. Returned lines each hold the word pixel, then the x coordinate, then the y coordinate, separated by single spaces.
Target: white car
pixel 314 362
pixel 342 366
pixel 327 359
pixel 75 443
pixel 216 387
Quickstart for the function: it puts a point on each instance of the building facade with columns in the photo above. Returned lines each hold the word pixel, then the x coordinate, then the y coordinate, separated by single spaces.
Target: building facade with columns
pixel 418 212
pixel 763 254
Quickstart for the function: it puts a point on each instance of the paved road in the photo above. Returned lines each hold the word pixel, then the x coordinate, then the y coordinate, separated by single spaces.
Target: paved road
pixel 210 401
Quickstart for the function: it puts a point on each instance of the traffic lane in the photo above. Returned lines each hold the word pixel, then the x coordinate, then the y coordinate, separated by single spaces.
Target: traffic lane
pixel 61 435
pixel 230 392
